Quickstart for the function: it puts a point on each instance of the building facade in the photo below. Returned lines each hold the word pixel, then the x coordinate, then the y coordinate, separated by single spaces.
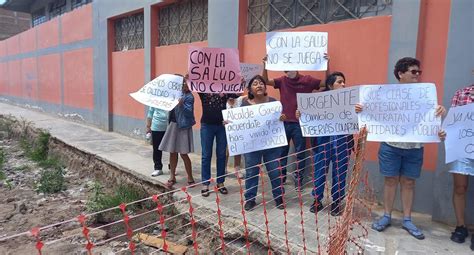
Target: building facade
pixel 83 62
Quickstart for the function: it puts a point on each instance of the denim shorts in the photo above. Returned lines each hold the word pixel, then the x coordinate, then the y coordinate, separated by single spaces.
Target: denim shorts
pixel 463 166
pixel 394 161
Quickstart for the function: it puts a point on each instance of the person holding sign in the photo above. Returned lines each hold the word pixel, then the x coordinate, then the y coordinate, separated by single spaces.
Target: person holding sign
pixel 211 127
pixel 327 149
pixel 179 135
pixel 401 162
pixel 156 125
pixel 257 94
pixel 289 85
pixel 461 170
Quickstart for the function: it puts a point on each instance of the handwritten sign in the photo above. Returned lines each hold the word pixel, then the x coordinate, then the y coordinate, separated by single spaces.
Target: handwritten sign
pixel 459 127
pixel 214 70
pixel 163 92
pixel 296 51
pixel 400 112
pixel 248 71
pixel 254 128
pixel 329 113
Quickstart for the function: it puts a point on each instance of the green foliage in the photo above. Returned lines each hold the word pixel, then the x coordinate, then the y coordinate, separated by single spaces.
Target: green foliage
pixel 6 125
pixel 39 152
pixel 2 158
pixel 2 161
pixel 99 200
pixel 51 162
pixel 51 180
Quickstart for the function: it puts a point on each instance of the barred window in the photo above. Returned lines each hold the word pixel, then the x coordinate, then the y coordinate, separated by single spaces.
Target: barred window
pixel 183 22
pixel 129 32
pixel 38 17
pixel 78 3
pixel 269 15
pixel 57 8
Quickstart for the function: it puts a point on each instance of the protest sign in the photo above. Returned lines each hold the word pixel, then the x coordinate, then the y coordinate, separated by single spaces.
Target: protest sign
pixel 400 112
pixel 296 51
pixel 248 71
pixel 459 127
pixel 214 70
pixel 328 113
pixel 254 128
pixel 163 92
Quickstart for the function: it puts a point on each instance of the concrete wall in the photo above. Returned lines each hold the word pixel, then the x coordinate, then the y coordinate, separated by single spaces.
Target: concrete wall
pixel 50 67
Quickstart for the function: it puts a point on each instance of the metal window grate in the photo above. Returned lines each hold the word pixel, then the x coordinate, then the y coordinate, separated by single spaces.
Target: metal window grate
pixel 57 8
pixel 38 17
pixel 78 3
pixel 183 22
pixel 269 15
pixel 129 33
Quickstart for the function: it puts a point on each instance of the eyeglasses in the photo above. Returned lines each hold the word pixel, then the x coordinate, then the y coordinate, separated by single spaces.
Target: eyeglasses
pixel 416 72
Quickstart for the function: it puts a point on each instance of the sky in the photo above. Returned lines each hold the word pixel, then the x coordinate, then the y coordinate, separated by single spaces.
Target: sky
pixel 2 1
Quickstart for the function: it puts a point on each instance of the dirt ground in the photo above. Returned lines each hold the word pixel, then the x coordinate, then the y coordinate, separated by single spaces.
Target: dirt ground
pixel 23 208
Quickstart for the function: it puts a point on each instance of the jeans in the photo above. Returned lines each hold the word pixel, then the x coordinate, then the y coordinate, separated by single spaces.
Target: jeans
pixel 208 132
pixel 252 162
pixel 293 132
pixel 329 149
pixel 156 137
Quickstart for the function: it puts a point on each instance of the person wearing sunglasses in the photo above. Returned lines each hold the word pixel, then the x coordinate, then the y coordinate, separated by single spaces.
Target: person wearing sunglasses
pixel 401 162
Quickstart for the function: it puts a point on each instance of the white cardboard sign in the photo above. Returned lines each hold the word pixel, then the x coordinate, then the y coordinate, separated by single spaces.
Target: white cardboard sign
pixel 254 128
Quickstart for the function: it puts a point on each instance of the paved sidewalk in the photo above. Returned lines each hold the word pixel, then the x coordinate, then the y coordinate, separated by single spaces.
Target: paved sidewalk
pixel 135 156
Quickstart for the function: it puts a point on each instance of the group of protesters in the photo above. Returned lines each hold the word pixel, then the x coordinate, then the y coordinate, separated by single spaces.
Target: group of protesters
pixel 399 162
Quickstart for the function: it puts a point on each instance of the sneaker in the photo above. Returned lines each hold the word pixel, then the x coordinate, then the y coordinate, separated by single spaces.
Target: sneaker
pixel 156 172
pixel 279 203
pixel 459 235
pixel 336 209
pixel 249 205
pixel 315 208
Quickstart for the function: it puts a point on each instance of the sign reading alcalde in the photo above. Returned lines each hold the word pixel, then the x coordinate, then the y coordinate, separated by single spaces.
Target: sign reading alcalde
pixel 254 128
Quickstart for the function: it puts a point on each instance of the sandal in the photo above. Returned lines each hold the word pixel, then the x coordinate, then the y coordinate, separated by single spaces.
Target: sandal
pixel 170 184
pixel 191 183
pixel 412 229
pixel 205 192
pixel 222 189
pixel 382 223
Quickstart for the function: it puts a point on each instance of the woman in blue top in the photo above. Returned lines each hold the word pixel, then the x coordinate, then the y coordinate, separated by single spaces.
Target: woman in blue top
pixel 327 149
pixel 156 123
pixel 179 135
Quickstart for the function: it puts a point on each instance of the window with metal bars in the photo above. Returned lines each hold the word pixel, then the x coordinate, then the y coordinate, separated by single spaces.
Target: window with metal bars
pixel 57 8
pixel 78 3
pixel 183 22
pixel 269 15
pixel 129 32
pixel 38 17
